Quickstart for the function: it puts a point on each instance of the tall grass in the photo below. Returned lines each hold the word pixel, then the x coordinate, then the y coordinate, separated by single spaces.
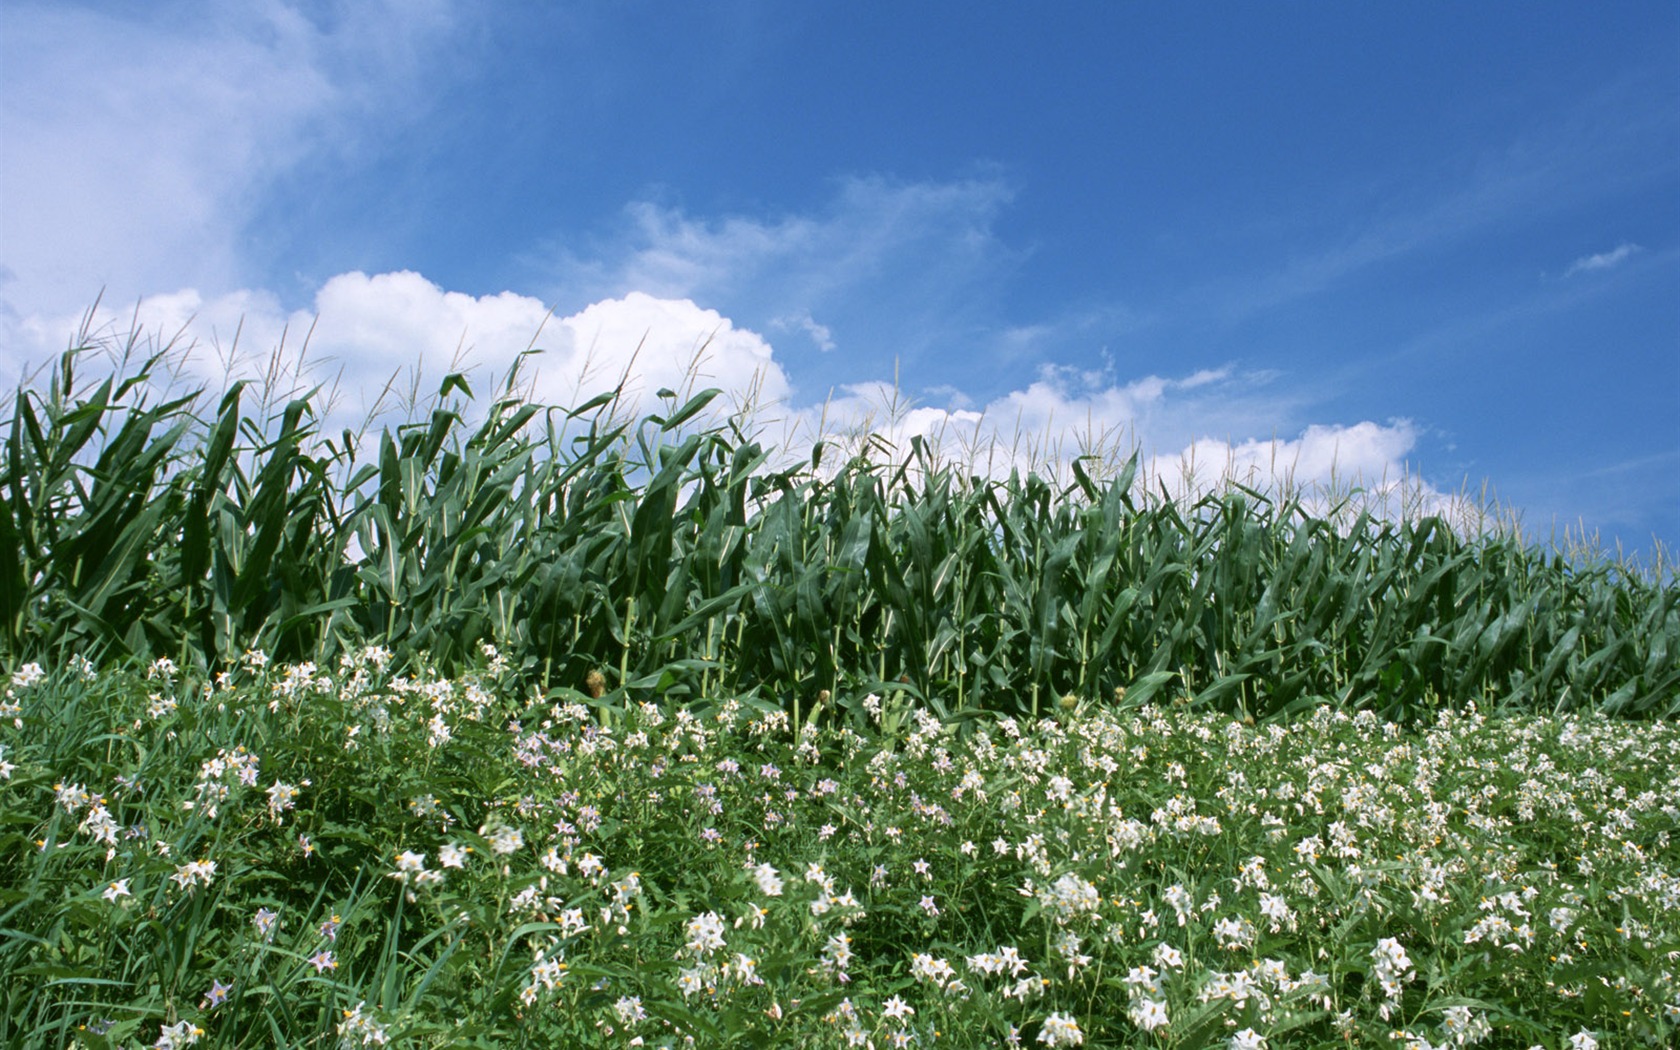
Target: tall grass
pixel 679 556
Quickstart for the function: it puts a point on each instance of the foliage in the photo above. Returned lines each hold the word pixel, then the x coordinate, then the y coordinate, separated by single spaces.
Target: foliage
pixel 678 558
pixel 286 857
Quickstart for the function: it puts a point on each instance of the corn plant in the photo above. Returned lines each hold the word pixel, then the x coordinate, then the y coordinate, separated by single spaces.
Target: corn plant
pixel 677 556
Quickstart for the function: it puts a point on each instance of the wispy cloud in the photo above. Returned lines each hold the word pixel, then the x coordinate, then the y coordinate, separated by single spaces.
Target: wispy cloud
pixel 864 234
pixel 804 322
pixel 1603 260
pixel 1565 159
pixel 140 142
pixel 883 263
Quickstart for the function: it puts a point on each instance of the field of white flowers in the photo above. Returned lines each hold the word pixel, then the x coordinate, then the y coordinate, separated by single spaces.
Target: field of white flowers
pixel 291 857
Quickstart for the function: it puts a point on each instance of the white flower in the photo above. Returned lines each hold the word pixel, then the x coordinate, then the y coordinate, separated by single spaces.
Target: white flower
pixel 924 967
pixel 100 825
pixel 72 797
pixel 360 1029
pixel 1248 1039
pixel 438 732
pixel 1182 902
pixel 1390 961
pixel 182 1033
pixel 837 956
pixel 705 933
pixel 1233 933
pixel 281 797
pixel 411 867
pixel 769 882
pixel 1583 1040
pixel 689 981
pixel 264 921
pixel 1142 978
pixel 1149 1014
pixel 199 872
pixel 746 969
pixel 1069 896
pixel 547 971
pixel 504 839
pixel 629 1009
pixel 1060 1030
pixel 1466 1027
pixel 1278 910
pixel 27 675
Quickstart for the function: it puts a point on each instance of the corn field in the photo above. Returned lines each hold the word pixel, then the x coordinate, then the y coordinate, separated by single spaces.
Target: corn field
pixel 675 556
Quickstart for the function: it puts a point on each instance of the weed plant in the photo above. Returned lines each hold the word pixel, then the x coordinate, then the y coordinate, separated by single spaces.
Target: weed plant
pixel 298 856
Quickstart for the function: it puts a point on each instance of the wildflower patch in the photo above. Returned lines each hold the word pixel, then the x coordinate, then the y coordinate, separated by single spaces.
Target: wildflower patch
pixel 356 858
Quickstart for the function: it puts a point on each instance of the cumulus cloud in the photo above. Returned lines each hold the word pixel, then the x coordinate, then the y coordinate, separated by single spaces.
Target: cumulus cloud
pixel 1603 260
pixel 1368 455
pixel 1069 412
pixel 654 343
pixel 400 332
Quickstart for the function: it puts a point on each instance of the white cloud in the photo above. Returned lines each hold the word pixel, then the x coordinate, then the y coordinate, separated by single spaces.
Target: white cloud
pixel 864 232
pixel 664 343
pixel 884 263
pixel 139 140
pixel 803 322
pixel 1366 454
pixel 1117 419
pixel 1204 377
pixel 1070 412
pixel 1603 260
pixel 365 332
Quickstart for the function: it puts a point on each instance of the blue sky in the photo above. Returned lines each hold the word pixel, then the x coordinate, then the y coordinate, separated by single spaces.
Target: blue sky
pixel 1439 240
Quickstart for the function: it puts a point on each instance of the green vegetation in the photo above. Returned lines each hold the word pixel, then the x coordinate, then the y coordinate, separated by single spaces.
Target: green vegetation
pixel 291 858
pixel 560 729
pixel 681 559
